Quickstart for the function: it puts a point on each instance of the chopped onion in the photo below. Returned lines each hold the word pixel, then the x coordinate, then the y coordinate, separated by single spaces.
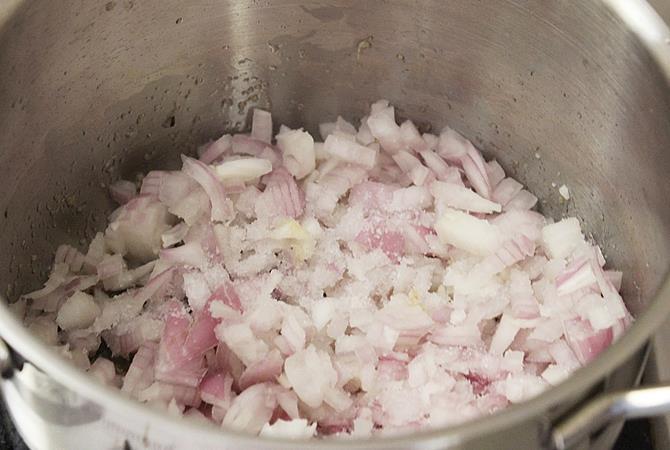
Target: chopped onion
pixel 122 191
pixel 437 165
pixel 261 126
pixel 562 238
pixel 203 175
pixel 349 151
pixel 467 232
pixel 506 190
pixel 294 429
pixel 411 137
pixel 137 230
pixel 411 165
pixel 217 149
pixel 242 170
pixel 459 197
pixel 383 127
pixel 451 145
pixel 78 311
pixel 297 148
pixel 282 197
pixel 380 282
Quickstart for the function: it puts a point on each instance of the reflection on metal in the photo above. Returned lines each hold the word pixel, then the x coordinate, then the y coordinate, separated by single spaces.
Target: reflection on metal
pixel 51 400
pixel 608 408
pixel 648 26
pixel 5 360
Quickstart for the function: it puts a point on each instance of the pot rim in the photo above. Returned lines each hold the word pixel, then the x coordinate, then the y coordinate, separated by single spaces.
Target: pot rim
pixel 652 32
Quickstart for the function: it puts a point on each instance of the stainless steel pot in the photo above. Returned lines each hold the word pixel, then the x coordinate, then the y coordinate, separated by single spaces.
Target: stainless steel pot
pixel 559 91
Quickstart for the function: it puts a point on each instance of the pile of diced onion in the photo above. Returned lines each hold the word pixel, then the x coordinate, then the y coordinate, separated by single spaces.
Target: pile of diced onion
pixel 381 281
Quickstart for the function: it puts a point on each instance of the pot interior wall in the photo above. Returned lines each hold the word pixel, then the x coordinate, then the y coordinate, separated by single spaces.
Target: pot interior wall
pixel 559 92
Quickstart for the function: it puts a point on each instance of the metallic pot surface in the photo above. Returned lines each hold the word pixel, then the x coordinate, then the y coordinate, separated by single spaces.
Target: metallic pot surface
pixel 560 92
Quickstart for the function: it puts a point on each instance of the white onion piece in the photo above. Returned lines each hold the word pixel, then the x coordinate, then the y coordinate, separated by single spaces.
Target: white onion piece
pixel 436 164
pixel 310 373
pixel 282 197
pixel 615 277
pixel 78 311
pixel 340 125
pixel 251 410
pixel 577 276
pixel 190 254
pixel 45 329
pixel 242 170
pixel 431 140
pixel 203 175
pixel 174 187
pixel 554 374
pixel 524 200
pixel 560 239
pixel 174 235
pixel 152 182
pixel 506 190
pixel 293 429
pixel 381 123
pixel 140 374
pixel 459 197
pixel 495 173
pixel 467 232
pixel 110 266
pixel 364 135
pixel 411 165
pixel 474 167
pixel 242 144
pixel 411 137
pixel 297 148
pixel 103 369
pixel 411 198
pixel 216 390
pixel 504 335
pixel 261 126
pixel 122 191
pixel 74 259
pixel 349 151
pixel 451 145
pixel 215 150
pixel 138 228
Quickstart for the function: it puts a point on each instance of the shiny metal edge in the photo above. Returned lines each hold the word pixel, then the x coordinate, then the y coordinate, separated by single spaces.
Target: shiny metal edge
pixel 643 20
pixel 643 402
